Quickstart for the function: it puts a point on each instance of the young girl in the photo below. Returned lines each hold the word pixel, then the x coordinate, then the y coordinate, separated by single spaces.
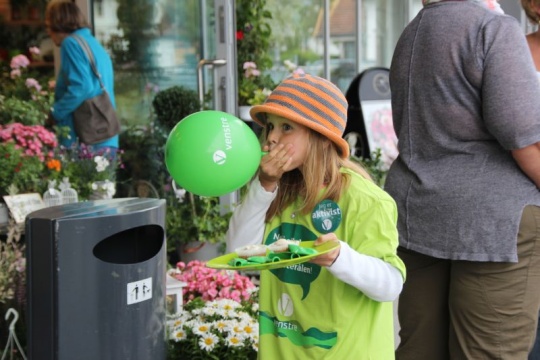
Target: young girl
pixel 338 306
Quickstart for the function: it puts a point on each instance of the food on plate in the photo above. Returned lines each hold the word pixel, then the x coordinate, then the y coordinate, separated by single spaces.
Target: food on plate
pixel 282 245
pixel 275 257
pixel 251 250
pixel 298 251
pixel 258 259
pixel 238 262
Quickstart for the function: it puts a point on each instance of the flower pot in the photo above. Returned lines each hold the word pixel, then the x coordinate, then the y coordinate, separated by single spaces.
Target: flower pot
pixel 103 190
pixel 243 112
pixel 201 251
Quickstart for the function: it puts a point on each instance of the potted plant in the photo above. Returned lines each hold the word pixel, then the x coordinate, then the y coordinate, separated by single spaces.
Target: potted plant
pixel 196 225
pixel 173 104
pixel 92 173
pixel 219 316
pixel 26 96
pixel 23 153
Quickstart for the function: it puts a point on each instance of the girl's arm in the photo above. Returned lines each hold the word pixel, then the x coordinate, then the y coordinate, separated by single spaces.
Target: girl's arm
pixel 372 265
pixel 375 278
pixel 246 226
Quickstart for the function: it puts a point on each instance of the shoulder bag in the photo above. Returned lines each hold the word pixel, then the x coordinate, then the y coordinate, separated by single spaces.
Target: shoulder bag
pixel 95 120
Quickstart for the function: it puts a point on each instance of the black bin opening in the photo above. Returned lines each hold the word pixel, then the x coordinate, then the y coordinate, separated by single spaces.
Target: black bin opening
pixel 131 246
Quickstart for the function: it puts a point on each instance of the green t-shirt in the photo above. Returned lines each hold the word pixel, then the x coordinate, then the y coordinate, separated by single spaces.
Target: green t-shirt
pixel 306 312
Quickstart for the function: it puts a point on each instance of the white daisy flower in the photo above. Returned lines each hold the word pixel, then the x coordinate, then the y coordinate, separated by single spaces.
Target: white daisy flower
pixel 227 304
pixel 208 342
pixel 244 316
pixel 227 313
pixel 202 329
pixel 234 340
pixel 209 311
pixel 249 328
pixel 178 335
pixel 220 325
pixel 237 329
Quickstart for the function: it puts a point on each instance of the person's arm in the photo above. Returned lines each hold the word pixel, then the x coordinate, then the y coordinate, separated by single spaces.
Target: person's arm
pixel 77 75
pixel 528 159
pixel 373 266
pixel 510 91
pixel 375 278
pixel 246 226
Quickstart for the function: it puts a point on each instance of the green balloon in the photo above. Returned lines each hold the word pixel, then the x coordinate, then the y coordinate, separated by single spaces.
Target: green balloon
pixel 212 153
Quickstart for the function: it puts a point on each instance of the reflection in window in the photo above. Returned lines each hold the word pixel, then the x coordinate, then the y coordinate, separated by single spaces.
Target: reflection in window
pixel 298 35
pixel 154 45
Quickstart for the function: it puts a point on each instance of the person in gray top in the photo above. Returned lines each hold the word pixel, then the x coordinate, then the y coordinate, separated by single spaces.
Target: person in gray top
pixel 467 117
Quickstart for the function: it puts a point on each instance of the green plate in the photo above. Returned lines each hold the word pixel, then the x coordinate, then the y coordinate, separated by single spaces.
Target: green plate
pixel 222 262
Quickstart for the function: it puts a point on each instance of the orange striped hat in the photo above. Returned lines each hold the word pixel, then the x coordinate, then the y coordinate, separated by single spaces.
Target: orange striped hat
pixel 311 101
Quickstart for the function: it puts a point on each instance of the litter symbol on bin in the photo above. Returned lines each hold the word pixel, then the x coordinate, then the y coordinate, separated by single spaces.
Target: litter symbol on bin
pixel 139 291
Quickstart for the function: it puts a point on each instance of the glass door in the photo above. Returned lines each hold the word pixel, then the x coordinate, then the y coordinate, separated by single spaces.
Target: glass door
pixel 159 44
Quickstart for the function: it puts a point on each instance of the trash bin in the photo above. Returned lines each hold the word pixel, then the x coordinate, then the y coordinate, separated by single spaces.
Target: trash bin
pixel 96 280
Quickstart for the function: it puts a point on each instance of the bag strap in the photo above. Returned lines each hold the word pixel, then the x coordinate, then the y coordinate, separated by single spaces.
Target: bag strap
pixel 90 56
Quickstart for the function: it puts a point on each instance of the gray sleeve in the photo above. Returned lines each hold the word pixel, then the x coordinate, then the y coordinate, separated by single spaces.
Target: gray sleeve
pixel 510 91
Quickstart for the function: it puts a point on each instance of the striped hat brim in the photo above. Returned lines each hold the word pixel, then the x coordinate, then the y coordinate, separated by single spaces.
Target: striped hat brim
pixel 311 101
pixel 258 114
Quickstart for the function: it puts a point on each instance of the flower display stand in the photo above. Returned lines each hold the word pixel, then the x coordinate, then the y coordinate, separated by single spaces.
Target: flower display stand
pixel 199 251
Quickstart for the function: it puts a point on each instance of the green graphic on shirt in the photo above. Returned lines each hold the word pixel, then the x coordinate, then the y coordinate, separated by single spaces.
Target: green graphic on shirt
pixel 290 232
pixel 301 274
pixel 326 216
pixel 295 333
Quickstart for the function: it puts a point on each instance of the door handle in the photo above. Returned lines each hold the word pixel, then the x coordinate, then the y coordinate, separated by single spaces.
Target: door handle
pixel 202 63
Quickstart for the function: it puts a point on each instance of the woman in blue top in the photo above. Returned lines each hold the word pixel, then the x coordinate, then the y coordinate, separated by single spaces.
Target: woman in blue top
pixel 76 81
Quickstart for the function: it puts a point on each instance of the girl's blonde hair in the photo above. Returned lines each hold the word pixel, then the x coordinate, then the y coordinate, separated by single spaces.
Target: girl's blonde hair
pixel 531 13
pixel 321 170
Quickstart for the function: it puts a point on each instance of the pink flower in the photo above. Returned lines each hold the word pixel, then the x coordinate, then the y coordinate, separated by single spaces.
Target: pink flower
pixel 251 72
pixel 251 69
pixel 235 295
pixel 249 65
pixel 32 83
pixel 34 139
pixel 34 50
pixel 19 61
pixel 213 293
pixel 212 284
pixel 15 73
pixel 52 84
